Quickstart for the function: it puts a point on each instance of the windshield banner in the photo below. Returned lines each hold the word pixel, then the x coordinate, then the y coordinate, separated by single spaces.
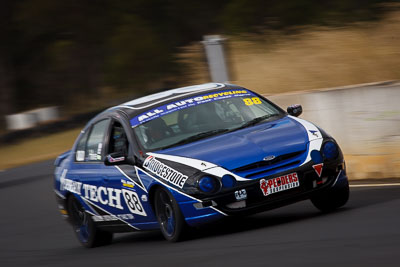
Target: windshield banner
pixel 186 103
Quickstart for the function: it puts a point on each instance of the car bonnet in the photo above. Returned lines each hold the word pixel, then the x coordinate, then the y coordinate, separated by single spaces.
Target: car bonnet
pixel 240 148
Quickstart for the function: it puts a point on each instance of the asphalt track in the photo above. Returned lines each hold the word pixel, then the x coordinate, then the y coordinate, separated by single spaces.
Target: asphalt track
pixel 366 232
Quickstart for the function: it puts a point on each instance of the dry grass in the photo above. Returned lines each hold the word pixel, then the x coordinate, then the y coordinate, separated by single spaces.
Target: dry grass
pixel 37 149
pixel 313 58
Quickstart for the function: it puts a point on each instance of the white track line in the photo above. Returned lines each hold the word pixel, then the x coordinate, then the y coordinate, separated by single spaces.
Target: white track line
pixel 374 185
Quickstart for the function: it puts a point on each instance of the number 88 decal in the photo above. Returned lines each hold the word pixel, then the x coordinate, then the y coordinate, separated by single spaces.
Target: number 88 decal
pixel 252 101
pixel 133 202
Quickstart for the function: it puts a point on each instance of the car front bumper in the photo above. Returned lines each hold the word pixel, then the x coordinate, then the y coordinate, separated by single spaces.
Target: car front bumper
pixel 226 203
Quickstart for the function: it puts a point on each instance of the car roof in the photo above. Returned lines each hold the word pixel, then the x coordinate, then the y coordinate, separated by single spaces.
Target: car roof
pixel 139 105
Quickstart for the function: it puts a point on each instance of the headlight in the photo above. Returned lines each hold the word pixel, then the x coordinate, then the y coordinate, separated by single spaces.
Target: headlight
pixel 208 184
pixel 330 150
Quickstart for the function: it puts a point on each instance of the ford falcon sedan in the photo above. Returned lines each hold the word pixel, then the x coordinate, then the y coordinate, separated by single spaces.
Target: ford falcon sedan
pixel 189 156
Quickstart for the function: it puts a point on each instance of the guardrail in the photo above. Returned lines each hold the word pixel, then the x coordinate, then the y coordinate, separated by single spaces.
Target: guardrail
pixel 31 118
pixel 59 125
pixel 364 119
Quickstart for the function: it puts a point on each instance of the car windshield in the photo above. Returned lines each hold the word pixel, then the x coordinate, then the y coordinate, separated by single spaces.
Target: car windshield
pixel 195 122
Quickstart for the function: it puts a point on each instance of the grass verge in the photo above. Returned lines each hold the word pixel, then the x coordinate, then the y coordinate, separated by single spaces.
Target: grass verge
pixel 37 149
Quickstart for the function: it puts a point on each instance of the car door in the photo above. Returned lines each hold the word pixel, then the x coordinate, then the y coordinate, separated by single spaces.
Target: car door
pixel 89 169
pixel 137 209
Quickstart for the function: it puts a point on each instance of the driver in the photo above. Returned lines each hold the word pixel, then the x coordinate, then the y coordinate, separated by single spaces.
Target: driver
pixel 119 142
pixel 157 130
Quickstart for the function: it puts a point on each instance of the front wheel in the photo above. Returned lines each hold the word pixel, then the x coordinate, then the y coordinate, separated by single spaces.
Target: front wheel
pixel 84 227
pixel 169 216
pixel 331 199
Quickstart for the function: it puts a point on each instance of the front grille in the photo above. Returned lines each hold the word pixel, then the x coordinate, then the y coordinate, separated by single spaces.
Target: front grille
pixel 264 168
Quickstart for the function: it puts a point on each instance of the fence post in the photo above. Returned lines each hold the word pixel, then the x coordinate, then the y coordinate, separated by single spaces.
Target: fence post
pixel 214 47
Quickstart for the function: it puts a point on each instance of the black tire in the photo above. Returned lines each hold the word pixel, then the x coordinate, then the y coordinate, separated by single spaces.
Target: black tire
pixel 85 229
pixel 169 216
pixel 332 198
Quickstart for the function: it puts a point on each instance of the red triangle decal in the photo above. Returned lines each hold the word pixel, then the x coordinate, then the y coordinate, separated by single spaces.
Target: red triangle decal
pixel 318 168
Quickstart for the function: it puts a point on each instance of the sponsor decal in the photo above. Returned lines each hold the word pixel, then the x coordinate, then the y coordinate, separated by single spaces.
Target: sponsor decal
pixel 127 183
pixel 80 155
pixel 111 159
pixel 165 172
pixel 186 103
pixel 70 185
pixel 99 148
pixel 318 168
pixel 241 194
pixel 109 218
pixel 131 176
pixel 104 195
pixel 279 184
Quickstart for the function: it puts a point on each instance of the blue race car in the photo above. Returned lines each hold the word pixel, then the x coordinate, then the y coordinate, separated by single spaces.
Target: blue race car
pixel 190 156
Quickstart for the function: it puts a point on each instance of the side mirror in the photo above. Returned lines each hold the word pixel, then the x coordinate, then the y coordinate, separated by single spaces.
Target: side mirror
pixel 295 110
pixel 117 158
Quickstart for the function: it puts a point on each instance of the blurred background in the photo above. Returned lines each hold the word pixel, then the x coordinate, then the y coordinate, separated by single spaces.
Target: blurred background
pixel 61 62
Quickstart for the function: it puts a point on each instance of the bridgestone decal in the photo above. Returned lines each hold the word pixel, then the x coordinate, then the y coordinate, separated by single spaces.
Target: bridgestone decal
pixel 165 172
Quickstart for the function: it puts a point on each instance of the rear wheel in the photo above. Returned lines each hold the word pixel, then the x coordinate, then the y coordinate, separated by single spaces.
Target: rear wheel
pixel 169 216
pixel 84 227
pixel 332 198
